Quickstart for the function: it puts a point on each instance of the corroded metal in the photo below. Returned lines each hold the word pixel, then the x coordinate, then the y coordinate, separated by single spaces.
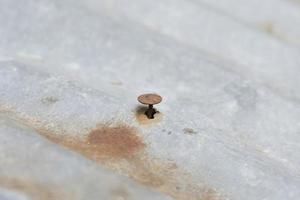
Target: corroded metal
pixel 150 100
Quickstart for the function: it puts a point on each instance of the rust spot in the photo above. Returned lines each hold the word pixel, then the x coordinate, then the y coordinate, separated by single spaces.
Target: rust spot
pixel 33 189
pixel 120 141
pixel 143 119
pixel 103 142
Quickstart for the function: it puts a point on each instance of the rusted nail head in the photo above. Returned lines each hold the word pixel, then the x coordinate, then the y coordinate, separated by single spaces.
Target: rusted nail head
pixel 149 99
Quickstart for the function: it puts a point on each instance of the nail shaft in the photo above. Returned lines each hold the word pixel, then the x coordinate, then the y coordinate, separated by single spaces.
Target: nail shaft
pixel 150 112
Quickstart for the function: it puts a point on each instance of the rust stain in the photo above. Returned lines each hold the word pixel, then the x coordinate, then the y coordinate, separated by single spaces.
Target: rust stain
pixel 121 149
pixel 113 142
pixel 120 141
pixel 32 189
pixel 143 119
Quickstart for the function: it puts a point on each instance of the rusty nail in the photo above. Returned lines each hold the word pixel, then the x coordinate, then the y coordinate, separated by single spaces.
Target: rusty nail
pixel 150 100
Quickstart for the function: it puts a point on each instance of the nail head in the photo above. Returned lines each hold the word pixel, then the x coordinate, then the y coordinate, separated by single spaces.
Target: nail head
pixel 150 99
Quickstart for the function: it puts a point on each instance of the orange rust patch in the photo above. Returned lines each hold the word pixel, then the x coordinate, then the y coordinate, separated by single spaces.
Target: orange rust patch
pixel 120 141
pixel 104 142
pixel 34 190
pixel 163 176
pixel 125 155
pixel 143 119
